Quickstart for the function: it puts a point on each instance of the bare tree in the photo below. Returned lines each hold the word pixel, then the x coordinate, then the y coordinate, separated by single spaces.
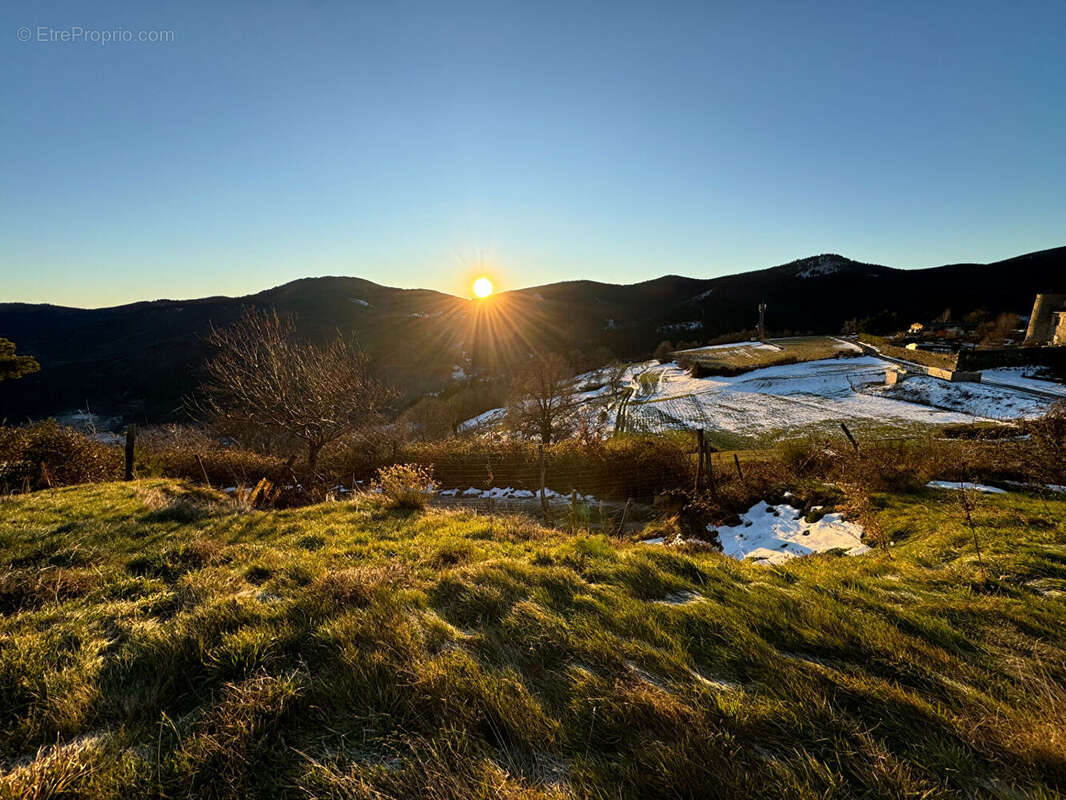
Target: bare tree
pixel 615 375
pixel 543 399
pixel 264 377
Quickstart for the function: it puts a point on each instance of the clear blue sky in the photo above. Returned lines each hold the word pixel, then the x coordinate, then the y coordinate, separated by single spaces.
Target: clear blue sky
pixel 409 142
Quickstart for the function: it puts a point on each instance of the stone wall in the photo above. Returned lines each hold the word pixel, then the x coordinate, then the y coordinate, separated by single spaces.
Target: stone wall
pixel 1054 357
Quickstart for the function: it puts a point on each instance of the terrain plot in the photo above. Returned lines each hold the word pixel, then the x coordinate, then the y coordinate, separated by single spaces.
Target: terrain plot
pixel 157 641
pixel 733 358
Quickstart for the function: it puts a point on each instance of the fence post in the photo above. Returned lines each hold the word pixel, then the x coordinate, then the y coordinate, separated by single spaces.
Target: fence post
pixel 851 438
pixel 203 469
pixel 708 469
pixel 625 513
pixel 131 437
pixel 740 472
pixel 699 460
pixel 543 496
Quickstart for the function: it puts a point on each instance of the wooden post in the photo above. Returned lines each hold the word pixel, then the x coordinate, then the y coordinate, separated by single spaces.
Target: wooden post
pixel 131 438
pixel 851 438
pixel 543 475
pixel 699 461
pixel 708 470
pixel 625 513
pixel 740 472
pixel 203 469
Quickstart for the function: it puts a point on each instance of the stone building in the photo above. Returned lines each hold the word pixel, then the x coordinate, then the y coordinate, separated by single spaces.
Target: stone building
pixel 1046 323
pixel 1059 337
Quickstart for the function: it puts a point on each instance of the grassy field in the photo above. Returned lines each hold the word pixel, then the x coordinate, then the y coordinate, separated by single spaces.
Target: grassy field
pixel 948 361
pixel 726 360
pixel 157 641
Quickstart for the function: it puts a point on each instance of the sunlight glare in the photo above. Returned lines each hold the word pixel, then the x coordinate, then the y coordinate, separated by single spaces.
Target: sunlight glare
pixel 482 287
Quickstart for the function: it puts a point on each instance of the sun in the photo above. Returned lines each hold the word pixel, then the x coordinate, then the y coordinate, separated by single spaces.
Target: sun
pixel 482 287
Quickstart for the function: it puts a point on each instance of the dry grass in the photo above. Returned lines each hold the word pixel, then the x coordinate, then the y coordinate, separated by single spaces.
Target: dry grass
pixel 405 485
pixel 736 360
pixel 350 650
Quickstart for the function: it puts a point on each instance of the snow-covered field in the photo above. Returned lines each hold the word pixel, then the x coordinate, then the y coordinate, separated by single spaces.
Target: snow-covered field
pixel 794 395
pixel 1022 377
pixel 661 397
pixel 971 399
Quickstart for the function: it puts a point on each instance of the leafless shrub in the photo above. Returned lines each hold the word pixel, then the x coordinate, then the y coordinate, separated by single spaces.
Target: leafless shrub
pixel 967 499
pixel 47 454
pixel 899 465
pixel 405 485
pixel 188 452
pixel 1048 444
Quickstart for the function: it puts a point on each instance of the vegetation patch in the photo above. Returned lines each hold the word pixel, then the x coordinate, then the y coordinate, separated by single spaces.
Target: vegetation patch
pixel 745 357
pixel 410 654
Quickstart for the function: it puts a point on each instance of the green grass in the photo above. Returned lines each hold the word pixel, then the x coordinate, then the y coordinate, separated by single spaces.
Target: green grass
pixel 157 642
pixel 793 350
pixel 948 361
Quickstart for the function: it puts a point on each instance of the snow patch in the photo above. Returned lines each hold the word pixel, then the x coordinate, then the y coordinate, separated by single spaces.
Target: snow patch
pixel 773 534
pixel 976 487
pixel 754 345
pixel 820 266
pixel 974 399
pixel 693 325
pixel 509 493
pixel 484 419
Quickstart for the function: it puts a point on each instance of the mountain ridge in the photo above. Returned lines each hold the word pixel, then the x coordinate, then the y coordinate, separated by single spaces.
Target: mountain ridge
pixel 1059 251
pixel 139 359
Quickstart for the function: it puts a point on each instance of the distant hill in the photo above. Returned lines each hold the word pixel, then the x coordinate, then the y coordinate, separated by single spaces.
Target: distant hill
pixel 138 360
